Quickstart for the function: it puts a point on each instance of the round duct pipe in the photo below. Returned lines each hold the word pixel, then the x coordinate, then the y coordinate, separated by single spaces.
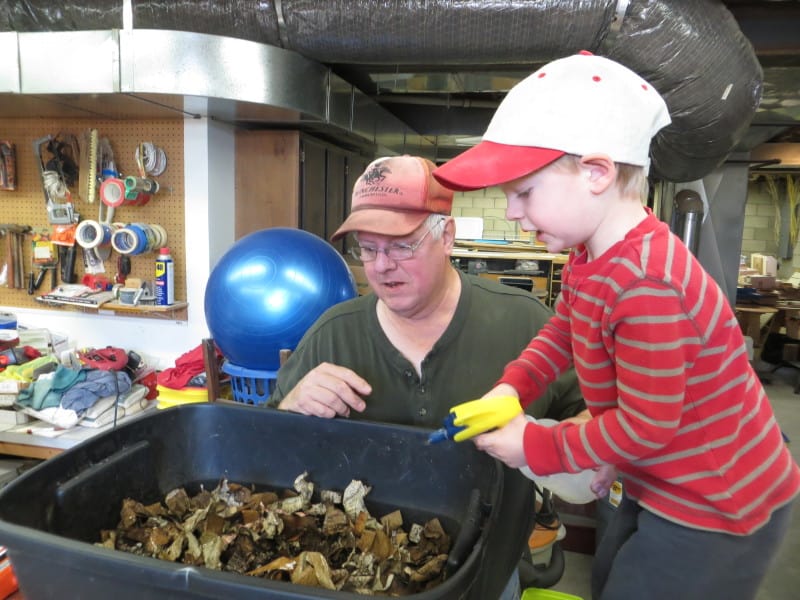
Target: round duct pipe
pixel 693 52
pixel 687 218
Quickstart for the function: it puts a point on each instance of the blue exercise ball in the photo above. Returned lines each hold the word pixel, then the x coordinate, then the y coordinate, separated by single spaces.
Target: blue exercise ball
pixel 268 289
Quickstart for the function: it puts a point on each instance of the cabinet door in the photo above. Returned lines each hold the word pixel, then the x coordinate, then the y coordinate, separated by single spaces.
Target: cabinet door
pixel 267 180
pixel 313 164
pixel 335 193
pixel 356 165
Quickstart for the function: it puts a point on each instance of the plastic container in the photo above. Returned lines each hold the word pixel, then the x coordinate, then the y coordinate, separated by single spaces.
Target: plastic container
pixel 8 338
pixel 169 397
pixel 570 487
pixel 544 594
pixel 8 320
pixel 51 515
pixel 250 386
pixel 165 278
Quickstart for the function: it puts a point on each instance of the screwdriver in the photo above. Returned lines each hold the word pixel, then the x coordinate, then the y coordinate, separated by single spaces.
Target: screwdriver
pixel 471 418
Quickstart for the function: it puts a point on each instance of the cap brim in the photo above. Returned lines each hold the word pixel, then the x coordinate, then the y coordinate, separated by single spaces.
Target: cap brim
pixel 382 222
pixel 490 163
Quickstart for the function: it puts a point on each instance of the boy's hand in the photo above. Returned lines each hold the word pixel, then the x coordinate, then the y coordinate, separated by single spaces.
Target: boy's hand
pixel 327 390
pixel 505 444
pixel 603 478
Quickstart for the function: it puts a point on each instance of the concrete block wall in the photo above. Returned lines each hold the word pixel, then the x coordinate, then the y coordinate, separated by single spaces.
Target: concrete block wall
pixel 489 204
pixel 758 234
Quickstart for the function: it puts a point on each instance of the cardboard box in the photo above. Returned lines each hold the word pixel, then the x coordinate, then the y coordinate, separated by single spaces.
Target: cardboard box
pixel 9 391
pixel 10 417
pixel 362 285
pixel 793 324
pixel 763 282
pixel 764 264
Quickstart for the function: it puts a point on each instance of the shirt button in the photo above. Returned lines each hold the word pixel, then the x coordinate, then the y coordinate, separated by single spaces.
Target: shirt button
pixel 422 389
pixel 408 374
pixel 423 412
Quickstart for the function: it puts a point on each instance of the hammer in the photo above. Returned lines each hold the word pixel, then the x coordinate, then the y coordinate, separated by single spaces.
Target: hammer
pixel 14 266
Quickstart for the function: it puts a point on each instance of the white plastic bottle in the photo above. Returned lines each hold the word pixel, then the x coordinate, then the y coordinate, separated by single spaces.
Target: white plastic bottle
pixel 570 487
pixel 165 278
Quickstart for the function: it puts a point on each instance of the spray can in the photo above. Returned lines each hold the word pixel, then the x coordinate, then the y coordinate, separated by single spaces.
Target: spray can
pixel 165 278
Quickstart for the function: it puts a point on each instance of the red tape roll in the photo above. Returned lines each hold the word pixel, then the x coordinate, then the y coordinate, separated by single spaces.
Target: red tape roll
pixel 112 192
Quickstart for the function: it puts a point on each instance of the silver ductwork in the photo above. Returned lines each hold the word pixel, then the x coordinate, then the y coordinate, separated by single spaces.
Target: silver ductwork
pixel 692 52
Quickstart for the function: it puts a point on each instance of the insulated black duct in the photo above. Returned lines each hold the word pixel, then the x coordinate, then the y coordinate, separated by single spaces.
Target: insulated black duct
pixel 693 52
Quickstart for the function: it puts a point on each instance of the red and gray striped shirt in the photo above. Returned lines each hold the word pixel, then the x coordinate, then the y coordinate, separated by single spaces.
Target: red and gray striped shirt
pixel 664 371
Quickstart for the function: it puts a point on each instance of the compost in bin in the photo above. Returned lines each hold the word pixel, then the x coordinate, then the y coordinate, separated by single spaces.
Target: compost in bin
pixel 330 541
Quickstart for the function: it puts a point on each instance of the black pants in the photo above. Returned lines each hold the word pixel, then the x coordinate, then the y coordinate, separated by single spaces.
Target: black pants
pixel 642 555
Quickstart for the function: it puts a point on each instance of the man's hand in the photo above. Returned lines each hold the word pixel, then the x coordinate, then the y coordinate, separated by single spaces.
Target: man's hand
pixel 327 391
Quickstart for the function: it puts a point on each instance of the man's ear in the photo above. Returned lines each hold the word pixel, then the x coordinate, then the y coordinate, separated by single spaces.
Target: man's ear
pixel 600 170
pixel 449 233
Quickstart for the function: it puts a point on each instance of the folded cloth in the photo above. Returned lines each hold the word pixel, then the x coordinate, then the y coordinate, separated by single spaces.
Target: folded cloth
pixel 55 415
pixel 186 367
pixel 98 384
pixel 102 413
pixel 47 390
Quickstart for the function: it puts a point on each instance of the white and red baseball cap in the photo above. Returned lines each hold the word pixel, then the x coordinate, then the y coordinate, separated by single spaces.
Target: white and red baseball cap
pixel 394 195
pixel 582 104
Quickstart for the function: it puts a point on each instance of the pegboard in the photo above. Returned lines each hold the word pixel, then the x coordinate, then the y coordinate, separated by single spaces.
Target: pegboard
pixel 26 205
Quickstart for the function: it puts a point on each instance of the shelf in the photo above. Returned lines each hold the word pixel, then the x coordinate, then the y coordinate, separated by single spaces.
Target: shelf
pixel 176 312
pixel 501 264
pixel 146 308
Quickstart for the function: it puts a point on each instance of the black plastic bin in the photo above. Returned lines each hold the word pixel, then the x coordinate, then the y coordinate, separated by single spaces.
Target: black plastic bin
pixel 51 516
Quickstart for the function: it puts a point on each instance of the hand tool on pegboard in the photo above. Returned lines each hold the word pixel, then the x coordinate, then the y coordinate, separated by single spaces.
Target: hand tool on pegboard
pixel 57 213
pixel 15 270
pixel 43 256
pixel 87 175
pixel 8 166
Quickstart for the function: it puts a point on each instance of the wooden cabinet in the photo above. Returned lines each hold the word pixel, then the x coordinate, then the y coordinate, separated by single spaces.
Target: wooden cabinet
pixel 289 179
pixel 538 272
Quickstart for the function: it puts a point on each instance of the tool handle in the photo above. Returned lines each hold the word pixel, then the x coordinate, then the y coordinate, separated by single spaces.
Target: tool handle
pixel 485 414
pixel 475 417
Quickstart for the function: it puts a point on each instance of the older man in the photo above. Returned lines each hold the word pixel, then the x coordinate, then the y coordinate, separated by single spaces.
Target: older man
pixel 429 335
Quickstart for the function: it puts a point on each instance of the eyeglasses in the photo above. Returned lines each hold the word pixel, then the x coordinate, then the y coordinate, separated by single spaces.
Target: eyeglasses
pixel 396 252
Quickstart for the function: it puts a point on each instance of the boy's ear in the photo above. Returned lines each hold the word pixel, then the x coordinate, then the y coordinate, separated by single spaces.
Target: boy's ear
pixel 601 171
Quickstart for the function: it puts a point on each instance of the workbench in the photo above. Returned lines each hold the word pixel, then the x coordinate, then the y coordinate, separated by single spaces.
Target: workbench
pixel 749 317
pixel 37 439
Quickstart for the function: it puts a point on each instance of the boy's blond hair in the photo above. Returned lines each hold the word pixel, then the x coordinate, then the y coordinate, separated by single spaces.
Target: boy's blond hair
pixel 631 179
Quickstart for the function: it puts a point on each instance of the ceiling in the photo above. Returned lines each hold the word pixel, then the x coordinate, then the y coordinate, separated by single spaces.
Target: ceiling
pixel 453 104
pixel 417 76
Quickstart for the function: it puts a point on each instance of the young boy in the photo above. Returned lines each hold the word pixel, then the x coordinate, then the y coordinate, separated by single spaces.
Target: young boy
pixel 676 406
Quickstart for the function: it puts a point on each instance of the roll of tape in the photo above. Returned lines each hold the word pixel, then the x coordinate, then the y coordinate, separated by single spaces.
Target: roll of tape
pixel 141 235
pixel 140 185
pixel 112 192
pixel 128 240
pixel 161 234
pixel 91 234
pixel 150 235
